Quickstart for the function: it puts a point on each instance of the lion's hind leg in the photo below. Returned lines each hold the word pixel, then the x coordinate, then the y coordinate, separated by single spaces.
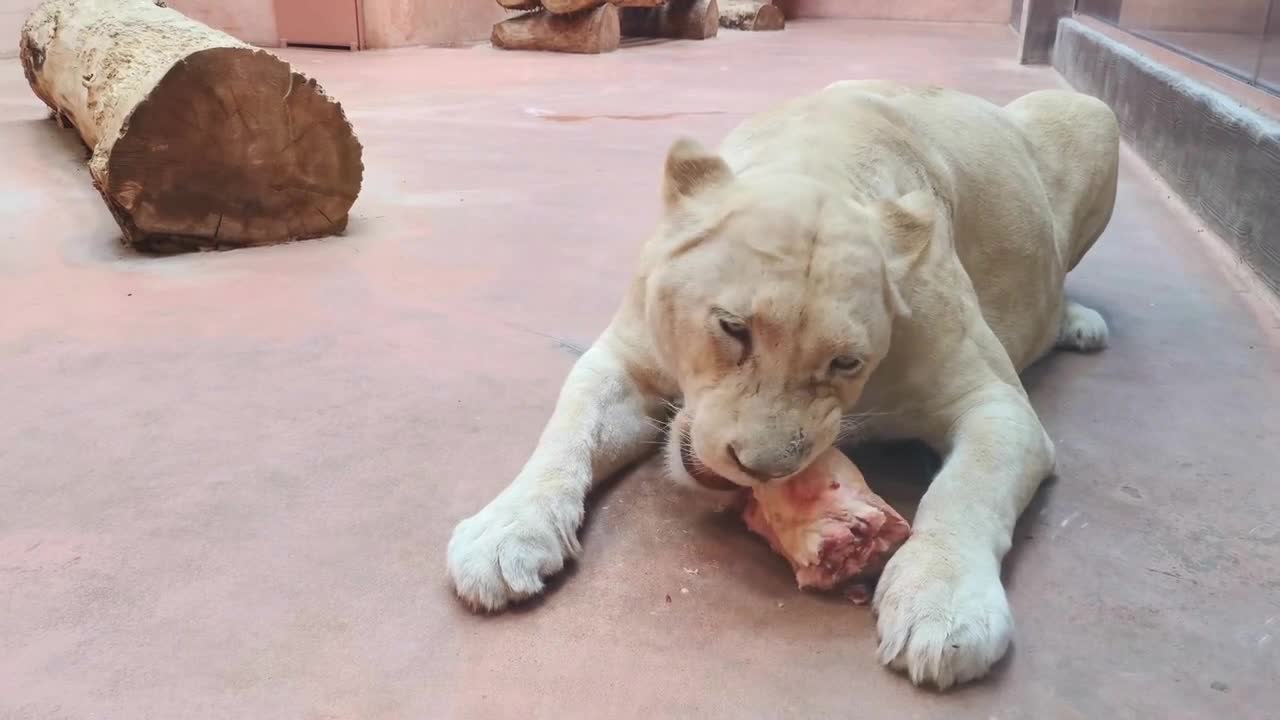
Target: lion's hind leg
pixel 1083 329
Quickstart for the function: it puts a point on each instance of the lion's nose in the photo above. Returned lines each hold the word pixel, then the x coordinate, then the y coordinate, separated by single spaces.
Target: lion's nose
pixel 767 465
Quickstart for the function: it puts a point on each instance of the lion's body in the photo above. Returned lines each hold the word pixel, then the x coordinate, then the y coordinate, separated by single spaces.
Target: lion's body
pixel 868 249
pixel 1030 185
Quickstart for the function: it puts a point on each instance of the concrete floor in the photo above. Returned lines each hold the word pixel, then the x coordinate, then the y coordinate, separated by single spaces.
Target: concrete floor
pixel 227 480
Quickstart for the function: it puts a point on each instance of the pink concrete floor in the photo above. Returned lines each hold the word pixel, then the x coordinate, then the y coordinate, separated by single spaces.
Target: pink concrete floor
pixel 227 480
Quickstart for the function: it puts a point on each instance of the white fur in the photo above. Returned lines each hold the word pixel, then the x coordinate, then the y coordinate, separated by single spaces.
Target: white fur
pixel 926 233
pixel 1083 329
pixel 502 553
pixel 941 612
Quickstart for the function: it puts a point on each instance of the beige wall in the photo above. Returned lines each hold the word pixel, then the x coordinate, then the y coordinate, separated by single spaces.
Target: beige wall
pixel 1230 16
pixel 394 23
pixel 253 21
pixel 388 23
pixel 995 11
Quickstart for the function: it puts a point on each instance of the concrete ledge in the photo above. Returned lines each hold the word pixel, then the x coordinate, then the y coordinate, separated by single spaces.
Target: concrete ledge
pixel 983 11
pixel 1221 157
pixel 1037 28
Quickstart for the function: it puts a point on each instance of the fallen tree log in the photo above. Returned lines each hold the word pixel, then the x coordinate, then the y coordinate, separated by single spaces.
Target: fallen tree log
pixel 588 31
pixel 198 140
pixel 678 19
pixel 755 15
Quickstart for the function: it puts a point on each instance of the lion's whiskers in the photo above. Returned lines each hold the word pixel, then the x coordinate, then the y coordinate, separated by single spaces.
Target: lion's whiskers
pixel 851 424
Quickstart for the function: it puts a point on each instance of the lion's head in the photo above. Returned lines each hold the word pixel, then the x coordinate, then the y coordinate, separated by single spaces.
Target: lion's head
pixel 770 300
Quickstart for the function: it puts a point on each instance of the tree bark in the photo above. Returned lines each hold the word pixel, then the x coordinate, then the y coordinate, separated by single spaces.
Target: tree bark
pixel 751 15
pixel 561 7
pixel 199 141
pixel 588 31
pixel 679 19
pixel 564 7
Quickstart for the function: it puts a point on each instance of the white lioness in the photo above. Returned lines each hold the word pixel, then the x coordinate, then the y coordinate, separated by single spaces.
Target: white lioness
pixel 870 251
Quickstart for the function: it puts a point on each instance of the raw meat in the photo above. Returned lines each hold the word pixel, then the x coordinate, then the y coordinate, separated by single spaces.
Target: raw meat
pixel 835 532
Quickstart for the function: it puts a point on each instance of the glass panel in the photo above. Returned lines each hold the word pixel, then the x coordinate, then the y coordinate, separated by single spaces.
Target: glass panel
pixel 1269 63
pixel 1226 34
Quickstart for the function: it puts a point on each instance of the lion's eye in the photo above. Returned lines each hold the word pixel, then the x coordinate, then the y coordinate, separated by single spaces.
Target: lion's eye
pixel 736 329
pixel 846 364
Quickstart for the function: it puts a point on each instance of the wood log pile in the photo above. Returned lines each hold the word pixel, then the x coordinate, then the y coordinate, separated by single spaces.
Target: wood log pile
pixel 598 26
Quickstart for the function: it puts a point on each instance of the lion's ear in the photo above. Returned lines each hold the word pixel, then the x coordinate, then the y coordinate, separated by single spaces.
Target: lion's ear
pixel 909 225
pixel 691 169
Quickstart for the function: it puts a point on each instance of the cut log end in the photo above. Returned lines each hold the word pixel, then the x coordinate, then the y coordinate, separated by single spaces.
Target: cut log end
pixel 228 148
pixel 231 149
pixel 677 19
pixel 589 31
pixel 751 15
pixel 563 7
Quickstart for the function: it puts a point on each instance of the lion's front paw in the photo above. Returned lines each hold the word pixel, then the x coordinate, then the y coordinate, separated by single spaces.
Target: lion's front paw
pixel 501 554
pixel 942 614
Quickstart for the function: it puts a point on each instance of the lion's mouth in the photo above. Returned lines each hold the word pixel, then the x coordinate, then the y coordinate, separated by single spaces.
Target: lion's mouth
pixel 699 471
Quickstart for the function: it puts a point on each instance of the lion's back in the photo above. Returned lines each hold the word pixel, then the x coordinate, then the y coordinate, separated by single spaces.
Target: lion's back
pixel 1075 142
